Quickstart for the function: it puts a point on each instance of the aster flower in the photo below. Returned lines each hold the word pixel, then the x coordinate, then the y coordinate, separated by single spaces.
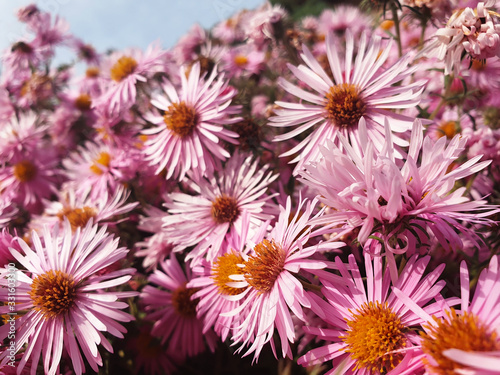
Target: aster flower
pixel 80 208
pixel 125 70
pixel 369 330
pixel 400 203
pixel 463 341
pixel 174 311
pixel 206 219
pixel 473 31
pixel 270 290
pixel 360 88
pixel 66 305
pixel 191 127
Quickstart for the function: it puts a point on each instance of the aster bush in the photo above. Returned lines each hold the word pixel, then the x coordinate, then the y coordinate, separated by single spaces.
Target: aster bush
pixel 276 195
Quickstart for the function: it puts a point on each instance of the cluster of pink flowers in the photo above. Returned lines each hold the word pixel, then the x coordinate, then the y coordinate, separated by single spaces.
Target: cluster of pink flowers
pixel 322 196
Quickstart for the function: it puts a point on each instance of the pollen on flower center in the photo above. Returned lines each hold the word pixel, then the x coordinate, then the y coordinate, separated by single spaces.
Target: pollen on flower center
pixel 124 67
pixel 464 332
pixel 53 293
pixel 263 268
pixel 448 129
pixel 181 300
pixel 241 61
pixel 344 106
pixel 181 119
pixel 375 331
pixel 77 217
pixel 103 160
pixel 225 209
pixel 225 266
pixel 25 171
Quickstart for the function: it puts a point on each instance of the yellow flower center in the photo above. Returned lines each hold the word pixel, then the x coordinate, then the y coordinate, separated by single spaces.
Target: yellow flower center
pixel 263 268
pixel 386 25
pixel 241 61
pixel 53 293
pixel 124 67
pixel 83 102
pixel 92 72
pixel 103 160
pixel 344 106
pixel 225 209
pixel 225 266
pixel 25 171
pixel 464 332
pixel 181 119
pixel 374 331
pixel 77 217
pixel 448 129
pixel 181 300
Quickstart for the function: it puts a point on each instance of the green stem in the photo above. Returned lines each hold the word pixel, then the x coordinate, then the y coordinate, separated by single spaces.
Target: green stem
pixel 395 18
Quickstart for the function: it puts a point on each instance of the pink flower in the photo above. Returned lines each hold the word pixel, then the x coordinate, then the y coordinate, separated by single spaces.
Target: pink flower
pixel 66 306
pixel 401 203
pixel 191 126
pixel 360 88
pixel 370 331
pixel 270 291
pixel 464 341
pixel 171 307
pixel 205 220
pixel 124 71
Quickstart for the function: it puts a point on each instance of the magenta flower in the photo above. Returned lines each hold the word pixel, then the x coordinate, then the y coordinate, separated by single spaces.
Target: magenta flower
pixel 360 88
pixel 65 305
pixel 270 291
pixel 171 307
pixel 191 125
pixel 205 220
pixel 369 328
pixel 400 203
pixel 464 341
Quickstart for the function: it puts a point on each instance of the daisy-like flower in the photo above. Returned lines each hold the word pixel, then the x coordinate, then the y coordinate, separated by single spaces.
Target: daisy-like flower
pixel 475 31
pixel 401 203
pixel 79 209
pixel 125 70
pixel 171 307
pixel 191 125
pixel 370 330
pixel 464 341
pixel 270 291
pixel 361 87
pixel 66 305
pixel 206 219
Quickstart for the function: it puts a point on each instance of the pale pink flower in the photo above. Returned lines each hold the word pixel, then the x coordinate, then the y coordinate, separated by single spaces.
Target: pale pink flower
pixel 190 127
pixel 260 26
pixel 170 306
pixel 403 203
pixel 270 291
pixel 360 88
pixel 464 341
pixel 206 220
pixel 65 305
pixel 343 18
pixel 369 330
pixel 475 31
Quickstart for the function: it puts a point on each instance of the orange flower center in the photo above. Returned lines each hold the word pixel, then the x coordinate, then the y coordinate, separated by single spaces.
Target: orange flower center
pixel 53 293
pixel 92 72
pixel 225 209
pixel 181 119
pixel 225 266
pixel 103 160
pixel 263 268
pixel 464 332
pixel 374 331
pixel 344 106
pixel 77 217
pixel 241 61
pixel 83 102
pixel 25 171
pixel 181 300
pixel 448 129
pixel 124 67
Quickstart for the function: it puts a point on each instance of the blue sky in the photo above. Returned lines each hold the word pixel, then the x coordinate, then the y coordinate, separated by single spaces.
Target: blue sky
pixel 124 23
